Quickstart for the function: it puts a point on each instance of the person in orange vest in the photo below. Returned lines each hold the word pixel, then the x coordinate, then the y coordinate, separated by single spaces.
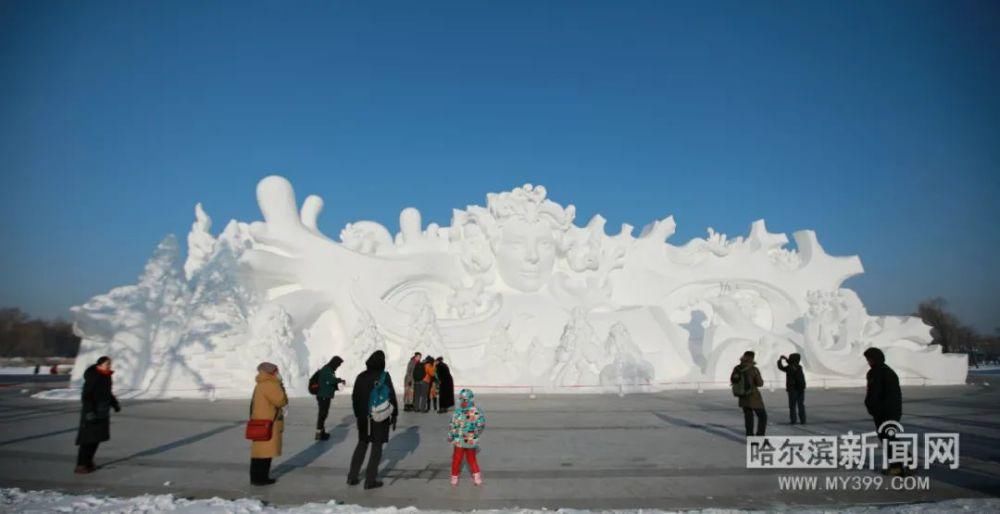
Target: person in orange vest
pixel 430 375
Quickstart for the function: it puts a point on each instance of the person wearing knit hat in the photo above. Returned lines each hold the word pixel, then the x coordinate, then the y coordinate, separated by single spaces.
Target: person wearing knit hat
pixel 267 402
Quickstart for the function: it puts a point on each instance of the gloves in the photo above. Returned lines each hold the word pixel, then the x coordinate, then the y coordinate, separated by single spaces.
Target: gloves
pixel 118 408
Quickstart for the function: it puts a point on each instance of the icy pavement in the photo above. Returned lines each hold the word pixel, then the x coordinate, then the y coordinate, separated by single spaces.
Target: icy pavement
pixel 672 450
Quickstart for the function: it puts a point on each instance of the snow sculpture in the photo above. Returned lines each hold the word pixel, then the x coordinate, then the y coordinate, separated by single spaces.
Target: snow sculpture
pixel 512 293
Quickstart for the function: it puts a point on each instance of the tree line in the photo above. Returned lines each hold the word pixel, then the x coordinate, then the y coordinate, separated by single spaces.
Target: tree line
pixel 955 336
pixel 24 336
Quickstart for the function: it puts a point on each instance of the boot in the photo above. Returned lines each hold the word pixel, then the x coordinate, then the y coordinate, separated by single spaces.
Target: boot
pixel 477 478
pixel 260 469
pixel 454 480
pixel 82 470
pixel 321 435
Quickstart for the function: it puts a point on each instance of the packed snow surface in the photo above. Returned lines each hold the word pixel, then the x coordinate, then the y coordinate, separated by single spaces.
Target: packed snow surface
pixel 16 500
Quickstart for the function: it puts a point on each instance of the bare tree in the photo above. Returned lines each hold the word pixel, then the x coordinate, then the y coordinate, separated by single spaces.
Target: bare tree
pixel 22 336
pixel 946 329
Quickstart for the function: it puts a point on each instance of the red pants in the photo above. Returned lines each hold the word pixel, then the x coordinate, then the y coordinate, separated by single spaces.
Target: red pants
pixel 456 460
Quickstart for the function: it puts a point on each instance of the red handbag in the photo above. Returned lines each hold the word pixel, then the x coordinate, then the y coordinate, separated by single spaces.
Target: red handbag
pixel 260 429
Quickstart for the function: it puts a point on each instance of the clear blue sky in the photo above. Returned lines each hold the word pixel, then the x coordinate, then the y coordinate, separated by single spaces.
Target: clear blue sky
pixel 876 124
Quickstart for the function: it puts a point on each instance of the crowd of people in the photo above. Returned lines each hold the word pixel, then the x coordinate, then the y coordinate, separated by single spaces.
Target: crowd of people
pixel 883 396
pixel 428 385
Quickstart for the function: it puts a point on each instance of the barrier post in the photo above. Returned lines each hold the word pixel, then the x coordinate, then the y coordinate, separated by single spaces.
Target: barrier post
pixel 824 384
pixel 531 393
pixel 700 388
pixel 621 390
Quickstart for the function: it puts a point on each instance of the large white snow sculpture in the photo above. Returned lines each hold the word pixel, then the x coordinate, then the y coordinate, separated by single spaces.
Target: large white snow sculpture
pixel 512 294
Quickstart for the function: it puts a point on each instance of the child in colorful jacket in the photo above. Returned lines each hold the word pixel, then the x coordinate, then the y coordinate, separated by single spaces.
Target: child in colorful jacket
pixel 467 423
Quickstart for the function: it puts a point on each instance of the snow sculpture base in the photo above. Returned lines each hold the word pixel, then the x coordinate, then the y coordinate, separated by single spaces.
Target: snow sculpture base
pixel 513 294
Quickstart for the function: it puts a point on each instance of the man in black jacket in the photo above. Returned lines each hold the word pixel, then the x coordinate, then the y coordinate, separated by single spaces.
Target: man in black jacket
pixel 795 386
pixel 884 399
pixel 370 431
pixel 95 415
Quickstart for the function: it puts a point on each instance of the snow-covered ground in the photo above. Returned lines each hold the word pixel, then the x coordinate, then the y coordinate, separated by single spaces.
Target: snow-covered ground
pixel 16 500
pixel 20 370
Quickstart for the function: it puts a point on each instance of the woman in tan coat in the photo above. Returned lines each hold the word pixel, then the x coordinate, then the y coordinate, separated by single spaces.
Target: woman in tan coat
pixel 268 400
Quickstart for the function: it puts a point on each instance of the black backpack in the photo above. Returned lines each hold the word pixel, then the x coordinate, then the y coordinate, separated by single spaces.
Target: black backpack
pixel 740 383
pixel 418 372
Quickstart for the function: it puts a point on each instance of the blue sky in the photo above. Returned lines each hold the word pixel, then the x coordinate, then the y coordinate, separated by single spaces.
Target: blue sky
pixel 876 125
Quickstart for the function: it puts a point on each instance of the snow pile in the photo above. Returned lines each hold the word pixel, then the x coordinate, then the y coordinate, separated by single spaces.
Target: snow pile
pixel 16 500
pixel 30 370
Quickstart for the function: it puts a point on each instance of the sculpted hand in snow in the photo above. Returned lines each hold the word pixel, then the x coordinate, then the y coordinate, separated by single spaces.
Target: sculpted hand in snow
pixel 314 272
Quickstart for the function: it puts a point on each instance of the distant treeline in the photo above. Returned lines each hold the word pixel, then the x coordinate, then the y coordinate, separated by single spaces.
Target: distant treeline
pixel 955 336
pixel 23 336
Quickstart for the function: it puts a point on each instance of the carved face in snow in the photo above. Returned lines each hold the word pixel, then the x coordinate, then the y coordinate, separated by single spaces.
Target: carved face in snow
pixel 525 254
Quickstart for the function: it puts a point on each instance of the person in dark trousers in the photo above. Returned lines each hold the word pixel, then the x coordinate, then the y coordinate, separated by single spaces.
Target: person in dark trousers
pixel 369 431
pixel 752 402
pixel 95 417
pixel 430 370
pixel 795 386
pixel 408 382
pixel 421 387
pixel 883 398
pixel 446 386
pixel 328 385
pixel 268 402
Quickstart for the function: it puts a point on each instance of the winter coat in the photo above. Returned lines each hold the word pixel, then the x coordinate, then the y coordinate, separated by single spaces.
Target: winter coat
pixel 467 422
pixel 328 382
pixel 363 386
pixel 795 379
pixel 97 402
pixel 884 399
pixel 446 396
pixel 268 400
pixel 753 400
pixel 429 371
pixel 408 380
